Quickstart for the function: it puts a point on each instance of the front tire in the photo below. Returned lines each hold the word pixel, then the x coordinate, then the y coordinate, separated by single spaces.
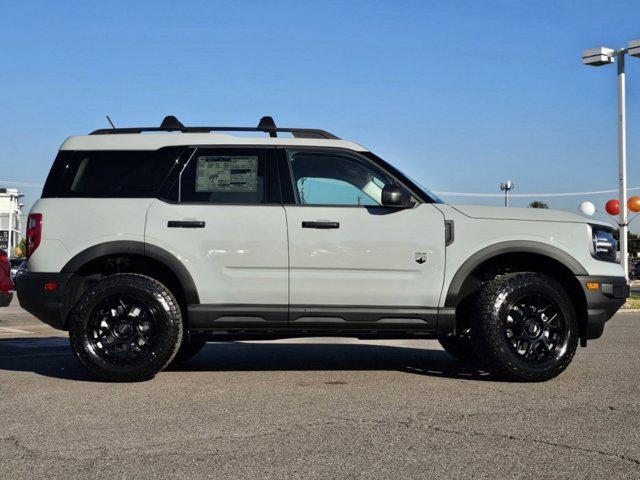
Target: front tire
pixel 525 327
pixel 126 328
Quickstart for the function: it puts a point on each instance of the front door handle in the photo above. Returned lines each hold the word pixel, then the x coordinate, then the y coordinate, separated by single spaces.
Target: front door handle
pixel 322 225
pixel 185 224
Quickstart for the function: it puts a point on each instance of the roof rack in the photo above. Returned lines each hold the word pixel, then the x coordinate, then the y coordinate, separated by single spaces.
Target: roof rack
pixel 172 124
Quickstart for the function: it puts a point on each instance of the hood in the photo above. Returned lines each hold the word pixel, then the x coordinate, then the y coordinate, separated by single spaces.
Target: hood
pixel 527 214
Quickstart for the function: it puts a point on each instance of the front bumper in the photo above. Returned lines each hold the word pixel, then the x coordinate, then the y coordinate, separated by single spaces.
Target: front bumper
pixel 602 303
pixel 50 306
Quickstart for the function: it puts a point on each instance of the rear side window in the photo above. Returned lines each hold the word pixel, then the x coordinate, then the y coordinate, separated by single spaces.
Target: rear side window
pixel 110 174
pixel 224 176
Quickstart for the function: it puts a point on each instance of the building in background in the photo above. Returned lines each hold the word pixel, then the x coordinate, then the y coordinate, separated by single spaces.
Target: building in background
pixel 10 219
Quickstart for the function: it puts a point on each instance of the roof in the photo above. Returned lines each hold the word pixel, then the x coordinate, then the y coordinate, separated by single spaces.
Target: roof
pixel 172 132
pixel 154 141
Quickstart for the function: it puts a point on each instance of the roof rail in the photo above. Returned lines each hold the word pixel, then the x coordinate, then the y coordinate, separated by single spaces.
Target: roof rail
pixel 172 124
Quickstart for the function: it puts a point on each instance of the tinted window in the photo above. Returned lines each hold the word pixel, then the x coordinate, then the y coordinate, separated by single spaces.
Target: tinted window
pixel 326 178
pixel 115 174
pixel 224 176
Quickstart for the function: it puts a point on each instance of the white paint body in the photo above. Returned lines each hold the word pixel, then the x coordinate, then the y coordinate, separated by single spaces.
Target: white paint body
pixel 369 260
pixel 261 255
pixel 240 257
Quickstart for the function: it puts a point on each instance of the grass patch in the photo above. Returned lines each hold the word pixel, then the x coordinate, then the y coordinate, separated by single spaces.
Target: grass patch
pixel 632 302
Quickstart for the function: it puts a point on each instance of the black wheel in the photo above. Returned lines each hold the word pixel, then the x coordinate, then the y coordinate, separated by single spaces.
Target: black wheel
pixel 188 348
pixel 460 347
pixel 525 327
pixel 126 327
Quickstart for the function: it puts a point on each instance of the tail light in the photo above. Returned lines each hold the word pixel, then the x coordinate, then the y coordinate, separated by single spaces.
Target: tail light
pixel 6 285
pixel 34 232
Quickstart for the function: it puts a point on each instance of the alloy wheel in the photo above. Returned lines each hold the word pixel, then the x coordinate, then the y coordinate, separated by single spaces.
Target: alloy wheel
pixel 535 329
pixel 122 329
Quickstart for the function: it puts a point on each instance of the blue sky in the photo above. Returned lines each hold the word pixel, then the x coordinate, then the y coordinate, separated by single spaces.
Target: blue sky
pixel 460 95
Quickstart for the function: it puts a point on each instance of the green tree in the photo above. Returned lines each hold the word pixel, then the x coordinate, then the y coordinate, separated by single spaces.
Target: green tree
pixel 21 249
pixel 538 204
pixel 633 242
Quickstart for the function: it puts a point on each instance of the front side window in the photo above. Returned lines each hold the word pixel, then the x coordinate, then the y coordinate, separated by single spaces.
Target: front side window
pixel 329 178
pixel 224 176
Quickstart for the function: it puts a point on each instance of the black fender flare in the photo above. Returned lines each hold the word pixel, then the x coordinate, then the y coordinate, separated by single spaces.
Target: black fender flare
pixel 131 247
pixel 515 246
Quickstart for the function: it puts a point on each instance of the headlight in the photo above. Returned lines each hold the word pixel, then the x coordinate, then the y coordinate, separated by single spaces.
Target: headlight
pixel 604 246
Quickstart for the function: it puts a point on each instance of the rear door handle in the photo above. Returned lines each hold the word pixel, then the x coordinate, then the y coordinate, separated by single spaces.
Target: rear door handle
pixel 322 225
pixel 185 224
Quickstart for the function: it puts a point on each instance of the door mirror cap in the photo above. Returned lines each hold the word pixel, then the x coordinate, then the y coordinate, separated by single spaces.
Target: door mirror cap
pixel 396 197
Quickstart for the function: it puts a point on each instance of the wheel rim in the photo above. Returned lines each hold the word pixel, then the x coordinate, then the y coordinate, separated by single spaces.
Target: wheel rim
pixel 535 329
pixel 122 329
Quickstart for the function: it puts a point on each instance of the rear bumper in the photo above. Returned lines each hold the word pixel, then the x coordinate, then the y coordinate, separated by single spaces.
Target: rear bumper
pixel 49 307
pixel 602 303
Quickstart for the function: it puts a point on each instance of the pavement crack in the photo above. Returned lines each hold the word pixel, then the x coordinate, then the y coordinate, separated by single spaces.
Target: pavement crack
pixel 409 422
pixel 618 456
pixel 14 442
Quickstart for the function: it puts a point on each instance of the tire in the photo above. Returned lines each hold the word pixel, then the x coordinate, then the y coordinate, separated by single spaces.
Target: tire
pixel 459 347
pixel 126 328
pixel 524 327
pixel 188 349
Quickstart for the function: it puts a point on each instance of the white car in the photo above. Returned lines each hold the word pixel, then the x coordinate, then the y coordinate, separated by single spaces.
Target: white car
pixel 146 245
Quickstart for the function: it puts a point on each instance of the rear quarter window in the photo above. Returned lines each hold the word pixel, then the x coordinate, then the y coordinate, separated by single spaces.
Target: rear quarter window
pixel 110 174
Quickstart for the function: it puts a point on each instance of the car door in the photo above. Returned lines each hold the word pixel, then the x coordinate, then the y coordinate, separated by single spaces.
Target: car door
pixel 353 261
pixel 221 215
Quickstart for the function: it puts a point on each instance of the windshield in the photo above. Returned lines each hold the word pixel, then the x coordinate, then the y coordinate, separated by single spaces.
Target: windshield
pixel 412 184
pixel 436 199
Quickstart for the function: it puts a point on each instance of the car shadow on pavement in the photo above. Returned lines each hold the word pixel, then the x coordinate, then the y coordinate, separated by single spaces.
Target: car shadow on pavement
pixel 235 356
pixel 47 356
pixel 52 357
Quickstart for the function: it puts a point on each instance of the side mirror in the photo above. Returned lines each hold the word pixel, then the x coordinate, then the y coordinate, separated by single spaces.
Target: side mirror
pixel 395 197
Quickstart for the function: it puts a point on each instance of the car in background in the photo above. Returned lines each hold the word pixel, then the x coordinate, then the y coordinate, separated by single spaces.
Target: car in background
pixel 18 265
pixel 6 284
pixel 635 270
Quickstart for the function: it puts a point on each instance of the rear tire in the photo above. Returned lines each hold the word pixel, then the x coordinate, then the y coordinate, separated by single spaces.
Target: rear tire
pixel 459 347
pixel 525 327
pixel 126 328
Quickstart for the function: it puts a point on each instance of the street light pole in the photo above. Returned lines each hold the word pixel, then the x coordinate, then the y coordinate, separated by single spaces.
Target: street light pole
pixel 597 57
pixel 506 186
pixel 622 163
pixel 10 239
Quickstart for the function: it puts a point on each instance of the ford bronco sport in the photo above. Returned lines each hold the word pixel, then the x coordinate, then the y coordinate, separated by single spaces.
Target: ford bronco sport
pixel 149 242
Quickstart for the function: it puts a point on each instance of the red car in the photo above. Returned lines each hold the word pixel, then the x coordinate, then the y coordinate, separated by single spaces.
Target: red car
pixel 6 285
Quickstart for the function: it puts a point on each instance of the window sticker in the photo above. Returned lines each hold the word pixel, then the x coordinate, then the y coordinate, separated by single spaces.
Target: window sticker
pixel 227 174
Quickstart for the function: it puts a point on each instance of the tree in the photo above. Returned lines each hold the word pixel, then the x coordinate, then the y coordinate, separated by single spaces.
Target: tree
pixel 21 248
pixel 633 242
pixel 538 204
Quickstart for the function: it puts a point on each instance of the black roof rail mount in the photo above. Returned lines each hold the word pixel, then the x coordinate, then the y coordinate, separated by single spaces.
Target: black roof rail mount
pixel 171 122
pixel 266 124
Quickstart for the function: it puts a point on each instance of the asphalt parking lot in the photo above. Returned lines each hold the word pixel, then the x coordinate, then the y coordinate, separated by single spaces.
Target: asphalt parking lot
pixel 321 408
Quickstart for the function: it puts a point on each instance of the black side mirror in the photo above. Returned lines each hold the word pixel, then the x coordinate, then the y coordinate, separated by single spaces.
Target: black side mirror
pixel 396 197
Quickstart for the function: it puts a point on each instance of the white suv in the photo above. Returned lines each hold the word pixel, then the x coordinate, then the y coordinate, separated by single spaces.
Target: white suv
pixel 148 242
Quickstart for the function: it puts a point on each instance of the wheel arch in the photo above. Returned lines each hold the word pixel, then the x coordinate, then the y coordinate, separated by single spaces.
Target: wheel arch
pixel 151 255
pixel 517 256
